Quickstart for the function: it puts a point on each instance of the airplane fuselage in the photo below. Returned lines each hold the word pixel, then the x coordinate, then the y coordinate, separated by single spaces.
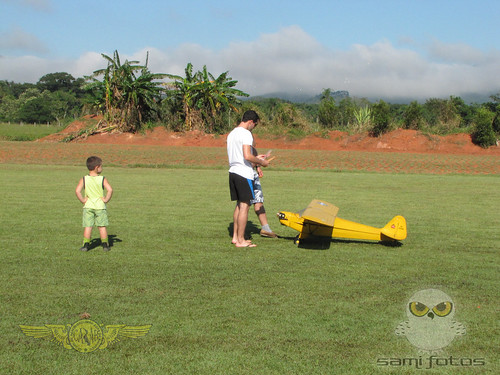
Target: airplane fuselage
pixel 336 227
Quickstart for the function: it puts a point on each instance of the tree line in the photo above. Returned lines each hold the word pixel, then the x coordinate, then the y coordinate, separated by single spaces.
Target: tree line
pixel 131 98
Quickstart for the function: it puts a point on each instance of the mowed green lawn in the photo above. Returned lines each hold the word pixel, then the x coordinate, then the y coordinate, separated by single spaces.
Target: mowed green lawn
pixel 273 309
pixel 26 132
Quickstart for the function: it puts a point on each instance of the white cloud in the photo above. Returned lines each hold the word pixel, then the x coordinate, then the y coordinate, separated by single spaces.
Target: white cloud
pixel 292 61
pixel 17 39
pixel 455 53
pixel 25 68
pixel 87 64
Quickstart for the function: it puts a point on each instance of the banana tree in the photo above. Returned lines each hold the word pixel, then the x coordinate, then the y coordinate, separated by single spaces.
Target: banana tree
pixel 183 93
pixel 203 97
pixel 126 92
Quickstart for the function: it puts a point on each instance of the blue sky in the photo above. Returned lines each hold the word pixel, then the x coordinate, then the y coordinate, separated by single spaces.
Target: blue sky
pixel 388 49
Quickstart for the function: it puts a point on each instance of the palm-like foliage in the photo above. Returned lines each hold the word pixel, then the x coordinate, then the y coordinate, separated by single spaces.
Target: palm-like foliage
pixel 182 94
pixel 126 93
pixel 363 117
pixel 202 97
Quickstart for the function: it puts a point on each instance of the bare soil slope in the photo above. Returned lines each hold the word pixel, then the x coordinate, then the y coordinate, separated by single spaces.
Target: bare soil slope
pixel 397 141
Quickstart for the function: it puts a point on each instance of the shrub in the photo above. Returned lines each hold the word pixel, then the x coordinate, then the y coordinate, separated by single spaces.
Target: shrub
pixel 412 117
pixel 327 113
pixel 496 124
pixel 483 134
pixel 381 118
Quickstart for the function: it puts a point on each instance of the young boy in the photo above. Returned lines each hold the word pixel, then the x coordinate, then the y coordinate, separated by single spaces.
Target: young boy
pixel 94 201
pixel 258 201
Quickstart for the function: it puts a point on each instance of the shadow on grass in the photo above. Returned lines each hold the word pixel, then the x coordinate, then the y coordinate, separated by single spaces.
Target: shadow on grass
pixel 249 230
pixel 318 243
pixel 312 243
pixel 96 242
pixel 112 239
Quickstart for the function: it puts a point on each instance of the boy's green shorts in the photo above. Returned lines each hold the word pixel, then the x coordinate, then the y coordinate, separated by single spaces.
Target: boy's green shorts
pixel 93 217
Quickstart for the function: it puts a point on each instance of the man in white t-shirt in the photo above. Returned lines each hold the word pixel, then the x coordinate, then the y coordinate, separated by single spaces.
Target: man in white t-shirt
pixel 241 161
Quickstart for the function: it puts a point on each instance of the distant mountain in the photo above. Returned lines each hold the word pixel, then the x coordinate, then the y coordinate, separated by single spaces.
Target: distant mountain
pixel 468 98
pixel 302 98
pixel 476 98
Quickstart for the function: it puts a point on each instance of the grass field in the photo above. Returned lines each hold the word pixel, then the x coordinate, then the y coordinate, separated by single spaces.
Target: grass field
pixel 26 132
pixel 214 309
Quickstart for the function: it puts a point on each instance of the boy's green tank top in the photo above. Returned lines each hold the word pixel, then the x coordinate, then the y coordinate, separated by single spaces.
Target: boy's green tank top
pixel 94 190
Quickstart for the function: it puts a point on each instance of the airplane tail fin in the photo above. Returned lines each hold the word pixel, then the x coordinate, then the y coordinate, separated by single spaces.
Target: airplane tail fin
pixel 395 229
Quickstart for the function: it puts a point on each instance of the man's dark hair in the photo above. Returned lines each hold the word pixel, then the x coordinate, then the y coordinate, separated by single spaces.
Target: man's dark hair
pixel 250 115
pixel 93 162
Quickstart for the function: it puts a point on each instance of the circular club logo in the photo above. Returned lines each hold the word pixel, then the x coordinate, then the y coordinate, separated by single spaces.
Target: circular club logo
pixel 85 336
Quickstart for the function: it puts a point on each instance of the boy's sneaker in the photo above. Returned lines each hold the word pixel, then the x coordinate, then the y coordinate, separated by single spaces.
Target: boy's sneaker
pixel 264 233
pixel 105 246
pixel 85 247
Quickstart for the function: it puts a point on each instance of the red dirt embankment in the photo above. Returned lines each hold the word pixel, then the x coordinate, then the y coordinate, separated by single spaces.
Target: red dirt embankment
pixel 396 141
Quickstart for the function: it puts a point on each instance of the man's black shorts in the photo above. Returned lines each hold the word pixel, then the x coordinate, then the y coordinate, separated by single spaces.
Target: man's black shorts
pixel 241 188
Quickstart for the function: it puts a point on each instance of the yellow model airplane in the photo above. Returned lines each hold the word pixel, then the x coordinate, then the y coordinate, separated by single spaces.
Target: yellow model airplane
pixel 320 219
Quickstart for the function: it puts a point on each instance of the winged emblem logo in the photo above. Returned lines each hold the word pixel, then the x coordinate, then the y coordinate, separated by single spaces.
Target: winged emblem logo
pixel 85 336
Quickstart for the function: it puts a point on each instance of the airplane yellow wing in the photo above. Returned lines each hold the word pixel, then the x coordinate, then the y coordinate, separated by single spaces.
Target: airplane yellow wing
pixel 320 212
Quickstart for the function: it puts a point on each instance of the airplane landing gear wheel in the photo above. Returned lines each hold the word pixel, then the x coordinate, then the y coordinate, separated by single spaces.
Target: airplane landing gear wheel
pixel 296 241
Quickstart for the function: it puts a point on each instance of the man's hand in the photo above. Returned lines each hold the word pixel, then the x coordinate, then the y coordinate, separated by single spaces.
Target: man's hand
pixel 262 160
pixel 256 160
